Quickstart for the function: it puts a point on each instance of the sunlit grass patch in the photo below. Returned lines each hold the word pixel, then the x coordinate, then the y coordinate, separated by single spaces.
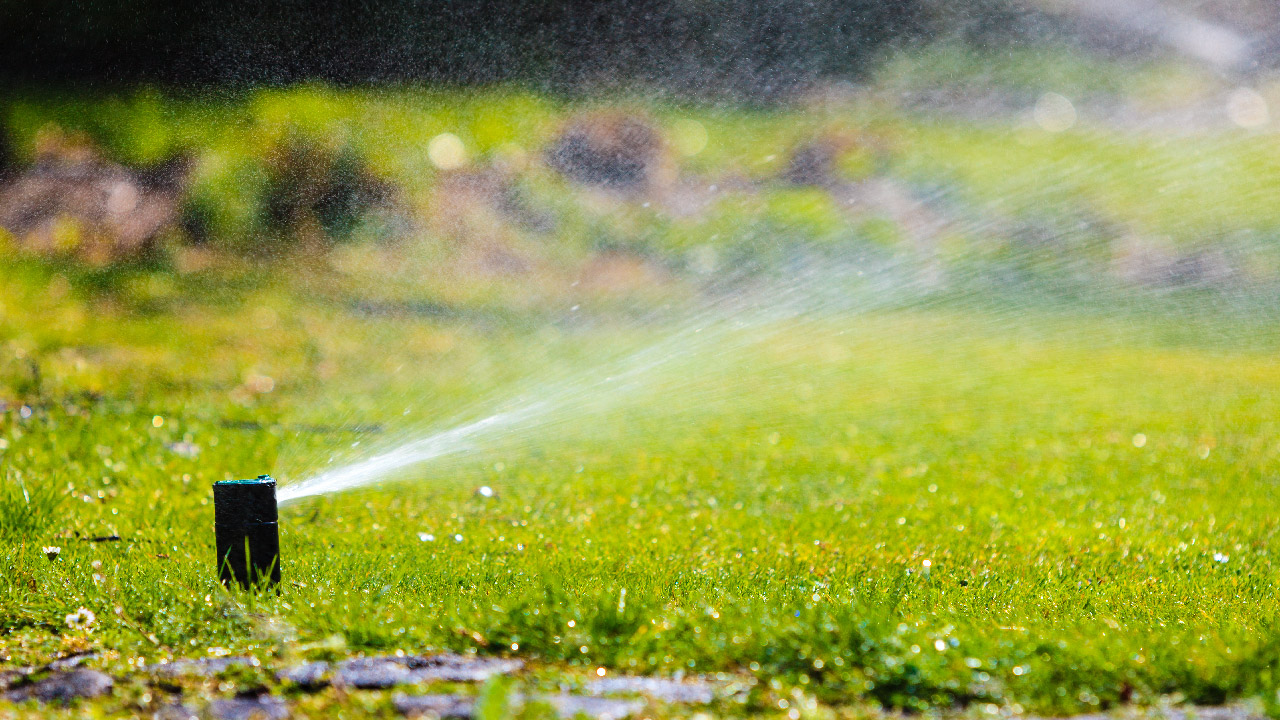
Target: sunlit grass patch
pixel 921 508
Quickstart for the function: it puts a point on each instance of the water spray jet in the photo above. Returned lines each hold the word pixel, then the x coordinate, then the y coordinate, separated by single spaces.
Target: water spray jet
pixel 246 532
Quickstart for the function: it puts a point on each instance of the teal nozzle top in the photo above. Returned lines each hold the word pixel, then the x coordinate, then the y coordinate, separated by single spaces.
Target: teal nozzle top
pixel 261 479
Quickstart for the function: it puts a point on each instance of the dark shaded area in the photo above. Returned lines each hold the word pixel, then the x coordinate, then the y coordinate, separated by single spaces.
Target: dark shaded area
pixel 309 185
pixel 756 46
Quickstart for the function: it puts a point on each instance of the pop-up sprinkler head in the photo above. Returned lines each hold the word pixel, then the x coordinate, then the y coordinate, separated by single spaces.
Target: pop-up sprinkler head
pixel 245 527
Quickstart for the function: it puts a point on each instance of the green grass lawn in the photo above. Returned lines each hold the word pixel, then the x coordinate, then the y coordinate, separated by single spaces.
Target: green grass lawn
pixel 1032 489
pixel 929 507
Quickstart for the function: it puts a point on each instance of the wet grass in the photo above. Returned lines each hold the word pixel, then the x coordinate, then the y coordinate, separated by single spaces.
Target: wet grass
pixel 1033 493
pixel 920 508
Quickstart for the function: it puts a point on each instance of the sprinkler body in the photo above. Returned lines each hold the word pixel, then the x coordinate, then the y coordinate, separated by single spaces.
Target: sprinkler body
pixel 246 532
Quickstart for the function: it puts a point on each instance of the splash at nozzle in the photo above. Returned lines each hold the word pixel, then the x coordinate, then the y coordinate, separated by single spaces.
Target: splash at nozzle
pixel 246 532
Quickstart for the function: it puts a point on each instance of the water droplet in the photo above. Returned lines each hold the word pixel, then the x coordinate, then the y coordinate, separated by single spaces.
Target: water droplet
pixel 1054 112
pixel 1247 108
pixel 447 151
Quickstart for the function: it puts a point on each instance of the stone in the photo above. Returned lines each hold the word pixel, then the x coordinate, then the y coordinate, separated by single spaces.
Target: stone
pixel 612 150
pixel 64 687
pixel 566 706
pixel 262 707
pixel 663 689
pixel 71 661
pixel 307 675
pixel 198 667
pixel 387 671
pixel 449 667
pixel 569 706
pixel 463 201
pixel 441 706
pixel 371 673
pixel 176 711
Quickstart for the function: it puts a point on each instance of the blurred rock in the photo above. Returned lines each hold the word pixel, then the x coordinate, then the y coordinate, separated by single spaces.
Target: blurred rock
pixel 371 673
pixel 565 706
pixel 613 150
pixel 73 202
pixel 176 711
pixel 64 687
pixel 816 163
pixel 75 660
pixel 464 201
pixel 449 667
pixel 261 707
pixel 568 706
pixel 387 671
pixel 617 271
pixel 921 224
pixel 1158 263
pixel 198 667
pixel 317 194
pixel 876 196
pixel 308 675
pixel 664 689
pixel 440 706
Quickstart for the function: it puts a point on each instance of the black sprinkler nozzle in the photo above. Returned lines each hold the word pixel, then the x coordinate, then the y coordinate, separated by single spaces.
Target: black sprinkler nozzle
pixel 247 535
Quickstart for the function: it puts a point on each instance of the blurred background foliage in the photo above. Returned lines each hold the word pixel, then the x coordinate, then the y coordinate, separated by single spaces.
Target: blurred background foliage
pixel 451 150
